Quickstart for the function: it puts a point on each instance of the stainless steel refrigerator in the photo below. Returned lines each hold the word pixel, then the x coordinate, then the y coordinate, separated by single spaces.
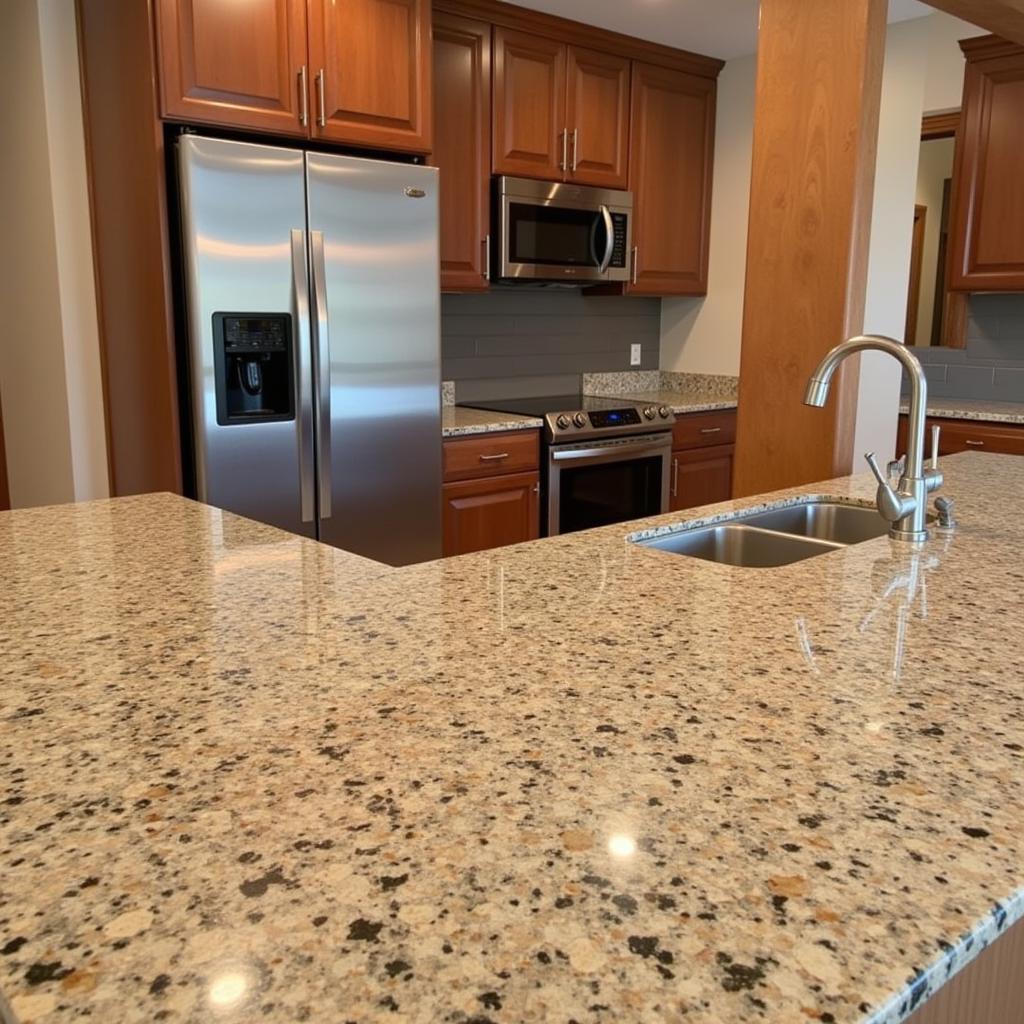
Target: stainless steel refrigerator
pixel 312 287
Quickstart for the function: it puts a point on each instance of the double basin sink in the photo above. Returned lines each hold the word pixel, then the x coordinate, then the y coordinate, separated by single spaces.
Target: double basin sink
pixel 780 536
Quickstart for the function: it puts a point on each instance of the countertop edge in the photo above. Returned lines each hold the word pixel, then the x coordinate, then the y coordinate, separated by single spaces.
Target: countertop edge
pixel 975 411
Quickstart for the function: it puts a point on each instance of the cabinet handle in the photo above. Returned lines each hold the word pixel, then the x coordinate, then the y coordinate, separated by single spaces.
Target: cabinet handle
pixel 636 261
pixel 565 150
pixel 575 147
pixel 675 478
pixel 710 430
pixel 494 458
pixel 321 108
pixel 975 444
pixel 303 98
pixel 487 258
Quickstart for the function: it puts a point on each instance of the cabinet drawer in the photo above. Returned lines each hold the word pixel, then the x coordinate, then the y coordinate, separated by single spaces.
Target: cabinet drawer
pixel 970 436
pixel 491 455
pixel 700 429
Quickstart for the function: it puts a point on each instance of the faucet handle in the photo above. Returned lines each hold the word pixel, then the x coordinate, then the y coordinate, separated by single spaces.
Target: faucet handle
pixel 883 481
pixel 936 431
pixel 897 468
pixel 891 506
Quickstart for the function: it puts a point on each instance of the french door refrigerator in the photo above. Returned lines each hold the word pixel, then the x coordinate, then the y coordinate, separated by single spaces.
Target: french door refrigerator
pixel 313 309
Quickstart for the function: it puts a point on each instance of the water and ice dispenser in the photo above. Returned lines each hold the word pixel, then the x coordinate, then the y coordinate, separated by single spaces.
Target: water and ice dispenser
pixel 254 367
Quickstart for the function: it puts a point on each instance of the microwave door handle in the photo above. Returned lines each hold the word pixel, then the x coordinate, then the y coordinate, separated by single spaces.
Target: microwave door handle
pixel 610 244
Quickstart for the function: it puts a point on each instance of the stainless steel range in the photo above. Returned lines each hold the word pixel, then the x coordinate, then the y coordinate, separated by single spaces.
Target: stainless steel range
pixel 605 461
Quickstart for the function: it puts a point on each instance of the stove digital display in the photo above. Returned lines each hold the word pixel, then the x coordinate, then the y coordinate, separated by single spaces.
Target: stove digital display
pixel 615 418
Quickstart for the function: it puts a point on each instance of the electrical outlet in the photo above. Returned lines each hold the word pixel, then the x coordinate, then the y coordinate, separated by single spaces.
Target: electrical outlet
pixel 635 356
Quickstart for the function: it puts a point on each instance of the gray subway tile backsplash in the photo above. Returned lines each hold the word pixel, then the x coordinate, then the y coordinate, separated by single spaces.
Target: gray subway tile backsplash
pixel 535 342
pixel 991 367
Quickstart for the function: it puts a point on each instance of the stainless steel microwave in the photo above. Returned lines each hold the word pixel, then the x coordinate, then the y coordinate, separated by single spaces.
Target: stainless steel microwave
pixel 559 232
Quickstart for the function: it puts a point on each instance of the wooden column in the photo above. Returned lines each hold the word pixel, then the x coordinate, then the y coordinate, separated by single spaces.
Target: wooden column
pixel 819 76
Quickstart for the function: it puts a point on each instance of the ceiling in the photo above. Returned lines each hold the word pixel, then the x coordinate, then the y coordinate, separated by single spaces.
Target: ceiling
pixel 731 31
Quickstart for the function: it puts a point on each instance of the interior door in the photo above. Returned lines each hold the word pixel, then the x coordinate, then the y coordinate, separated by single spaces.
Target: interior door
pixel 234 64
pixel 243 238
pixel 376 303
pixel 370 61
pixel 530 138
pixel 598 118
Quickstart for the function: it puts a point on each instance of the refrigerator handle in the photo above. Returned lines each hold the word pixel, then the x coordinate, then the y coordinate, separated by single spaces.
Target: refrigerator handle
pixel 307 470
pixel 322 355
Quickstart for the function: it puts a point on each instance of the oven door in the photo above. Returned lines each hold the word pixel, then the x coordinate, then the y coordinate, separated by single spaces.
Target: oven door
pixel 552 232
pixel 596 483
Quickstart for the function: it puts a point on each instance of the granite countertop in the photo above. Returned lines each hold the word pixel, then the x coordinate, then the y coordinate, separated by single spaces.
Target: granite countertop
pixel 680 402
pixel 458 421
pixel 973 409
pixel 244 776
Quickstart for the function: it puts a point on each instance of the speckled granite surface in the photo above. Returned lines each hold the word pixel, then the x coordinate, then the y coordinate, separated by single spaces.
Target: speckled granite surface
pixel 245 777
pixel 971 409
pixel 458 421
pixel 680 402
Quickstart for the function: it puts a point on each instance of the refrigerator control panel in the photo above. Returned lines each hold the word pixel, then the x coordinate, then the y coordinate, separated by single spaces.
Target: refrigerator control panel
pixel 254 368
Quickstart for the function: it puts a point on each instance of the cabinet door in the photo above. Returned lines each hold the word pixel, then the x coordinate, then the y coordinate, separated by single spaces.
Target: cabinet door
pixel 462 147
pixel 370 61
pixel 232 64
pixel 490 513
pixel 670 162
pixel 597 115
pixel 987 229
pixel 701 476
pixel 529 106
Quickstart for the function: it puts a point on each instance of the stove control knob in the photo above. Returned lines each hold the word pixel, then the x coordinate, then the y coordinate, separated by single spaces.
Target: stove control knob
pixel 580 420
pixel 649 412
pixel 663 412
pixel 562 422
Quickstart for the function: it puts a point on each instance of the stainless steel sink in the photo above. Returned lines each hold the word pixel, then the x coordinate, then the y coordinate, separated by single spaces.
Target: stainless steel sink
pixel 762 540
pixel 741 545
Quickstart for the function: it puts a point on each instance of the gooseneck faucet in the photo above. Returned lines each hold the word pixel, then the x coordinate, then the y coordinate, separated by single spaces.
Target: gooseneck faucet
pixel 904 506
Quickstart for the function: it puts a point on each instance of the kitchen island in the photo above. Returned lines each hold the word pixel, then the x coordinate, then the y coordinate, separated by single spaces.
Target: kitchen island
pixel 246 776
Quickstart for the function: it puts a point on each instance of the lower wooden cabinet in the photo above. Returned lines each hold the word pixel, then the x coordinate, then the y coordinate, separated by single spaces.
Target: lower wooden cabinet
pixel 702 458
pixel 491 512
pixel 491 491
pixel 967 436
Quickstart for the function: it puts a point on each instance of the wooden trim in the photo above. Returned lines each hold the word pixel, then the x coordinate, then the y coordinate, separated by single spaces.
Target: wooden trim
pixel 914 289
pixel 5 491
pixel 575 33
pixel 812 182
pixel 989 47
pixel 124 147
pixel 954 320
pixel 940 126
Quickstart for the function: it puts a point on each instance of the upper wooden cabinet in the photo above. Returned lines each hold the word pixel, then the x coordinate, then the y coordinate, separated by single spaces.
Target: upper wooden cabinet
pixel 349 71
pixel 597 113
pixel 233 64
pixel 670 166
pixel 561 112
pixel 462 147
pixel 987 226
pixel 529 106
pixel 370 67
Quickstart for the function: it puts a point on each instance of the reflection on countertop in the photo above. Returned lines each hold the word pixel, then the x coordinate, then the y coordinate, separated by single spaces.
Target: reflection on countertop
pixel 246 775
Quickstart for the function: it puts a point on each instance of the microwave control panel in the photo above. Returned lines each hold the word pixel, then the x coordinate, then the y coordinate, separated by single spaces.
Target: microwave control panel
pixel 620 222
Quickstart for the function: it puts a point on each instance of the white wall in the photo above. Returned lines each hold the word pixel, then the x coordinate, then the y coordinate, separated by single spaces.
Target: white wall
pixel 703 335
pixel 50 386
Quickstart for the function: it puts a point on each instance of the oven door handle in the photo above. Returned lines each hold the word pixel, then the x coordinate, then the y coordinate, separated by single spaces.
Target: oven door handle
pixel 609 247
pixel 612 451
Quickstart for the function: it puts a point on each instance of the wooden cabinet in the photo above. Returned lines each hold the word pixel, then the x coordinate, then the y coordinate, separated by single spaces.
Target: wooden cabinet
pixel 491 491
pixel 462 147
pixel 987 225
pixel 561 112
pixel 529 106
pixel 967 436
pixel 370 67
pixel 350 71
pixel 702 459
pixel 670 166
pixel 597 117
pixel 230 64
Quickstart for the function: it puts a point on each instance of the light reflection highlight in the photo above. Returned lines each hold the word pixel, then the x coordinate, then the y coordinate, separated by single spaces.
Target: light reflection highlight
pixel 228 989
pixel 621 846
